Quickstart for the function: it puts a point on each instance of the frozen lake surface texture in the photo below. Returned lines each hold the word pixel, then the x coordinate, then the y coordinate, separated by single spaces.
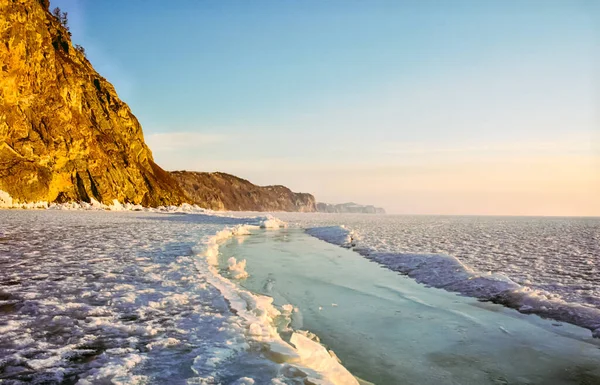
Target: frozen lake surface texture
pixel 388 329
pixel 92 297
pixel 546 266
pixel 103 297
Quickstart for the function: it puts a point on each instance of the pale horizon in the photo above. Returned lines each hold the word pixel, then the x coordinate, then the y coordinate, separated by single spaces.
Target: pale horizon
pixel 472 109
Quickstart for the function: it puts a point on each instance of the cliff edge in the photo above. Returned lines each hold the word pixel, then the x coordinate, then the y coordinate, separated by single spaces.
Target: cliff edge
pixel 64 133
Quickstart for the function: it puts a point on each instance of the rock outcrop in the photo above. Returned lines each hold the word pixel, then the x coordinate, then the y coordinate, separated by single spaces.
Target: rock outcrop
pixel 66 136
pixel 220 191
pixel 348 208
pixel 64 133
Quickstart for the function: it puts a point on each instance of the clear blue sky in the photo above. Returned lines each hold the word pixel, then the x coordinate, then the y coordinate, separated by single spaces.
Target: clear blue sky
pixel 419 106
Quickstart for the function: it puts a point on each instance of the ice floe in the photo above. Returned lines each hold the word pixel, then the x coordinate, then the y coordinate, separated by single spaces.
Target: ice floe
pixel 237 269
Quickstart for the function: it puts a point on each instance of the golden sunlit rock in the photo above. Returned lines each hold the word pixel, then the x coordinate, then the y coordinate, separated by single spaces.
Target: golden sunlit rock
pixel 64 133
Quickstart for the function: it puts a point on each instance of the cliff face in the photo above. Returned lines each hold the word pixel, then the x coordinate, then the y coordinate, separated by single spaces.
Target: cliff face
pixel 66 136
pixel 349 208
pixel 220 191
pixel 64 133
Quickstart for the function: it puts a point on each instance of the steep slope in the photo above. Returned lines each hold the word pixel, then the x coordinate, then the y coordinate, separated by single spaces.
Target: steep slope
pixel 64 133
pixel 220 191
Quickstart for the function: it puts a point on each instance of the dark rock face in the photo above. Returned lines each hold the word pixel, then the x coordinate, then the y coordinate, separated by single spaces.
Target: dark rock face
pixel 64 133
pixel 220 191
pixel 348 208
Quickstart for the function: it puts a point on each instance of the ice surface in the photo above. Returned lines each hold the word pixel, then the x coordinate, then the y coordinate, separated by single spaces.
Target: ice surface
pixel 338 235
pixel 90 296
pixel 237 269
pixel 258 317
pixel 548 266
pixel 389 329
pixel 107 297
pixel 270 222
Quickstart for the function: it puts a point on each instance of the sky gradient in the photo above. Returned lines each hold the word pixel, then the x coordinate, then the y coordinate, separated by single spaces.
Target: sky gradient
pixel 422 107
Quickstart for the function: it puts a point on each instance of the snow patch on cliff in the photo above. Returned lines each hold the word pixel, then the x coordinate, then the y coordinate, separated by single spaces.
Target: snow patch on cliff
pixel 5 199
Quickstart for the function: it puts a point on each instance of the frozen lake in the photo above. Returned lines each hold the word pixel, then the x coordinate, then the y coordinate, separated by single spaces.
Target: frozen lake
pixel 92 297
pixel 387 329
pixel 95 297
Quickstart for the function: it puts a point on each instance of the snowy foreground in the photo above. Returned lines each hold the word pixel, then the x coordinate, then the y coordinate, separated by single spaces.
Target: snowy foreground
pixel 145 296
pixel 97 297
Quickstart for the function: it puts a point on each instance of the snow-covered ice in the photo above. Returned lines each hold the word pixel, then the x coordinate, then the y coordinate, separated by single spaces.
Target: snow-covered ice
pixel 338 235
pixel 547 266
pixel 137 296
pixel 93 296
pixel 389 329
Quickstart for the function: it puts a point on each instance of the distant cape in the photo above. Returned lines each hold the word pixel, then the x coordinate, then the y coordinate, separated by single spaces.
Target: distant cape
pixel 349 207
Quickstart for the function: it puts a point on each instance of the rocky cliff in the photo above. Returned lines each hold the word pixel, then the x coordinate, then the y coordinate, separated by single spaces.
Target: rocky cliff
pixel 64 133
pixel 66 136
pixel 220 191
pixel 348 208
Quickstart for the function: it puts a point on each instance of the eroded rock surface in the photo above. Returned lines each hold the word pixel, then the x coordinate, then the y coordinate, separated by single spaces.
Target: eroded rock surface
pixel 64 133
pixel 220 191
